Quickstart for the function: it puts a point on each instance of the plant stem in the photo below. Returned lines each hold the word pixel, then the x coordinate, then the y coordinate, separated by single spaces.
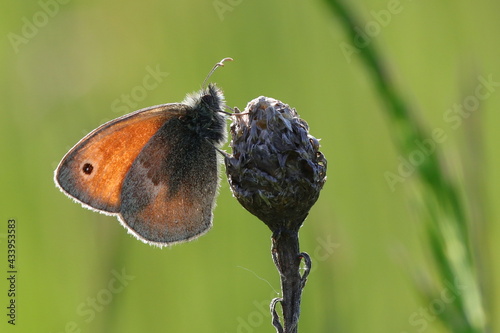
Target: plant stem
pixel 287 258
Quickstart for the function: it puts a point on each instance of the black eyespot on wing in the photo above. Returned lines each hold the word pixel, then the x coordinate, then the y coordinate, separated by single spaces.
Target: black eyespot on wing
pixel 87 168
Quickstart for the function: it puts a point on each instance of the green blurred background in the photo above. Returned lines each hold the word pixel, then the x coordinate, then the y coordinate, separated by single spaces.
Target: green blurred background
pixel 65 68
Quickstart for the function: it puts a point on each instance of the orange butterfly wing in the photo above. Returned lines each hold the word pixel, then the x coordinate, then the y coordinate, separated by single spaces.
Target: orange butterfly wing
pixel 93 171
pixel 169 192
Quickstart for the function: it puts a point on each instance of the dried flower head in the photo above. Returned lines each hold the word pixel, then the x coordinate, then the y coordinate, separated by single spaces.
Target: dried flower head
pixel 276 171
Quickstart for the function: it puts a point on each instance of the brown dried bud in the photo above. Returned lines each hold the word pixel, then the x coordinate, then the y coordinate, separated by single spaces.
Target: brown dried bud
pixel 276 171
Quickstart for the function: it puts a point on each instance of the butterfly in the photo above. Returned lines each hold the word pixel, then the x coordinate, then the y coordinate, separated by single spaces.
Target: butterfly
pixel 156 169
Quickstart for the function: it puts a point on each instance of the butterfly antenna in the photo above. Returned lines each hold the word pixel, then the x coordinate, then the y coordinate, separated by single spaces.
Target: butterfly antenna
pixel 217 65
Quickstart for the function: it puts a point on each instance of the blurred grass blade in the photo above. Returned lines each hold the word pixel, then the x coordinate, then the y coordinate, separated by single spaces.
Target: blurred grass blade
pixel 442 209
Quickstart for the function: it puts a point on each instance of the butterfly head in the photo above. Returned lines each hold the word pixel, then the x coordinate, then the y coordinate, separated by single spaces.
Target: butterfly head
pixel 207 115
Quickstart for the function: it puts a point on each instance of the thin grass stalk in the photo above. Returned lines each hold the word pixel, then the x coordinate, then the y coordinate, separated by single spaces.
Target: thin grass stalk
pixel 443 209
